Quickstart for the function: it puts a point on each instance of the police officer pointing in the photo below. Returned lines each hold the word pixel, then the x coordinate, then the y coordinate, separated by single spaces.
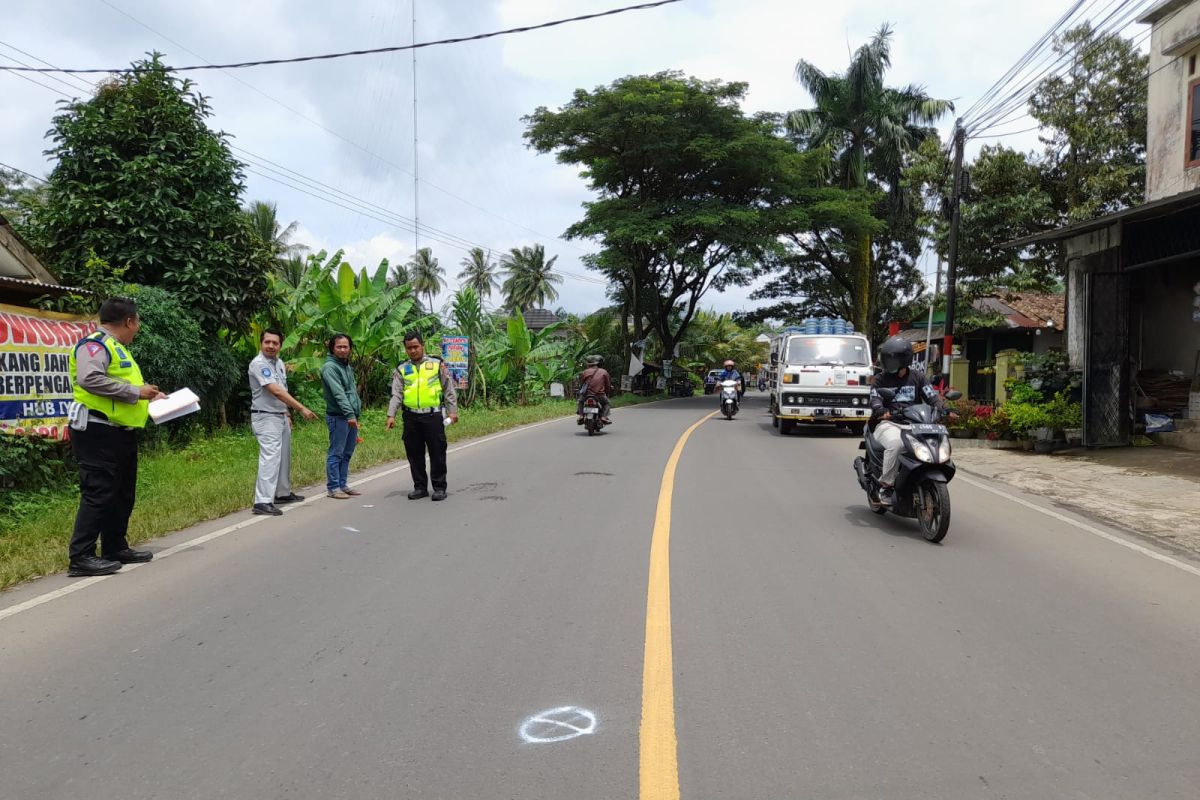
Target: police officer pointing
pixel 423 387
pixel 115 401
pixel 272 425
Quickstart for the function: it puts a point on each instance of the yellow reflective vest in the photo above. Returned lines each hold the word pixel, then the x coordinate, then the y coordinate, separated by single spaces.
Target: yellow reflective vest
pixel 122 367
pixel 422 384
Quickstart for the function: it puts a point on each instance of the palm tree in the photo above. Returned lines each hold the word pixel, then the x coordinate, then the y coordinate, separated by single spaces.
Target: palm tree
pixel 868 129
pixel 479 272
pixel 264 221
pixel 531 279
pixel 427 276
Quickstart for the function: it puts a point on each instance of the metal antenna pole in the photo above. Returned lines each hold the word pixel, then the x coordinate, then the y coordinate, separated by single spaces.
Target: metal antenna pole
pixel 416 160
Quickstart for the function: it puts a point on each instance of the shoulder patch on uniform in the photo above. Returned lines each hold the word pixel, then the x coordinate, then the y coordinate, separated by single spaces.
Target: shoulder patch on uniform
pixel 266 371
pixel 94 348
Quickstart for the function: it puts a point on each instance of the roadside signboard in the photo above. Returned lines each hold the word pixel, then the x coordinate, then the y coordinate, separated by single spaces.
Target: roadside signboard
pixel 455 350
pixel 35 381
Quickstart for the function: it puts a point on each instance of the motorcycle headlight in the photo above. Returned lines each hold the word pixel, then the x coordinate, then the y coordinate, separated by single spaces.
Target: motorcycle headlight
pixel 921 450
pixel 944 449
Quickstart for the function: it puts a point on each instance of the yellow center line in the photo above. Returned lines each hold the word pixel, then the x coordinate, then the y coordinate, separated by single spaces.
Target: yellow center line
pixel 659 758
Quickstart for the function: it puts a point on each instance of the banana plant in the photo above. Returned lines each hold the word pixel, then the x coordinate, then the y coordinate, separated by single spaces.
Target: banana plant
pixel 333 298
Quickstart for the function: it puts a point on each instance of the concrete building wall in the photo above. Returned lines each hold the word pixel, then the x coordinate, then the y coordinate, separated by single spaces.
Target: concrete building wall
pixel 1173 43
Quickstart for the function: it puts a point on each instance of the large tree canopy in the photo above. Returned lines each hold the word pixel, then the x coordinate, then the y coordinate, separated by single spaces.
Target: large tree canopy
pixel 143 182
pixel 691 193
pixel 869 130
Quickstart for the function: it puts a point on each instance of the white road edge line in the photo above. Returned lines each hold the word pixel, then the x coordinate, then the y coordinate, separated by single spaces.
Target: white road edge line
pixel 1083 526
pixel 237 526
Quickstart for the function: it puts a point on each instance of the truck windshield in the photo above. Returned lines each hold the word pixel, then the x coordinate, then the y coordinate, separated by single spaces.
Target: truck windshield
pixel 827 350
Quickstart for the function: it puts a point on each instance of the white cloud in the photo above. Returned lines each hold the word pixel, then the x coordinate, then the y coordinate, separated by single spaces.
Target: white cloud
pixel 472 96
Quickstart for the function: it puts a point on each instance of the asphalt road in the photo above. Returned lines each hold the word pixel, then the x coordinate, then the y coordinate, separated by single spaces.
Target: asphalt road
pixel 383 648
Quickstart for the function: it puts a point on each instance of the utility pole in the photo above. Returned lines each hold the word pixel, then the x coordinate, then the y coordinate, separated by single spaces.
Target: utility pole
pixel 952 258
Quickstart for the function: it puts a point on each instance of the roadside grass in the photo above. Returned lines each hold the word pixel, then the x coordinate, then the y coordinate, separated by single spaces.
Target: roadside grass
pixel 215 476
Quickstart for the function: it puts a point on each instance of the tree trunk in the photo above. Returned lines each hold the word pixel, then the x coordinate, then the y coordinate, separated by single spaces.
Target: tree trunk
pixel 860 259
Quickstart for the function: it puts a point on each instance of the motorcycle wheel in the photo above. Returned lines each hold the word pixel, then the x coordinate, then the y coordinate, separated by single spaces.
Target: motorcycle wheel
pixel 933 511
pixel 727 412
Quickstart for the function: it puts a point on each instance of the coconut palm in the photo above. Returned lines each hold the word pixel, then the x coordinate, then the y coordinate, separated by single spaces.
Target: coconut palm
pixel 868 129
pixel 479 272
pixel 265 222
pixel 531 278
pixel 426 275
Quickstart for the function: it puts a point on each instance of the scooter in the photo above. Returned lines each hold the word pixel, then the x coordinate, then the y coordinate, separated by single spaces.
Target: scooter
pixel 592 421
pixel 729 398
pixel 922 483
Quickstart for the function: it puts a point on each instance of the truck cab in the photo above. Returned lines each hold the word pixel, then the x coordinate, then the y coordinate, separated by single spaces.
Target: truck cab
pixel 822 379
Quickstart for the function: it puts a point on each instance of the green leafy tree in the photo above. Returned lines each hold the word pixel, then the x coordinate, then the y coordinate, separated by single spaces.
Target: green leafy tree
pixel 142 181
pixel 691 193
pixel 531 278
pixel 19 197
pixel 426 275
pixel 1093 121
pixel 479 272
pixel 868 129
pixel 174 352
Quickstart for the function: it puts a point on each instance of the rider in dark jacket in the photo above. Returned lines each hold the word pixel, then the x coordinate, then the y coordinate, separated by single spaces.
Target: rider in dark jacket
pixel 910 387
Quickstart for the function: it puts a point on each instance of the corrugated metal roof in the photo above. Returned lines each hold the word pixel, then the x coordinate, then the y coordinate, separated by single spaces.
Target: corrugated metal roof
pixel 40 287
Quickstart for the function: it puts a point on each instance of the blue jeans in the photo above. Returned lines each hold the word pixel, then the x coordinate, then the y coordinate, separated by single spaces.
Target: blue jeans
pixel 342 441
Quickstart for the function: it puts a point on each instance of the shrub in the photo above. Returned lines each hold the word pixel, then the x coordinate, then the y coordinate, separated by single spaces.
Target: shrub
pixel 173 352
pixel 33 462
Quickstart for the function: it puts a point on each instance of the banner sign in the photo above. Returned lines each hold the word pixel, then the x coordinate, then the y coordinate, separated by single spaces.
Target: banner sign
pixel 455 350
pixel 35 381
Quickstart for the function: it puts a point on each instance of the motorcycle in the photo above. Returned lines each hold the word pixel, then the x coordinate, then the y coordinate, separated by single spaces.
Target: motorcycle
pixel 926 469
pixel 729 398
pixel 592 421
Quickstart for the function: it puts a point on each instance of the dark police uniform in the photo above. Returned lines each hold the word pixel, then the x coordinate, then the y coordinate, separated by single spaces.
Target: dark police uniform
pixel 106 381
pixel 426 392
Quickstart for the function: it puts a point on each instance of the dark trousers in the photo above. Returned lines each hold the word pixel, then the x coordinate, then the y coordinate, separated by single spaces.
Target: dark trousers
pixel 107 458
pixel 424 432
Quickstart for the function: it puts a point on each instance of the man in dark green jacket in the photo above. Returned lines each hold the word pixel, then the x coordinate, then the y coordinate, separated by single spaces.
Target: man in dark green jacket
pixel 342 410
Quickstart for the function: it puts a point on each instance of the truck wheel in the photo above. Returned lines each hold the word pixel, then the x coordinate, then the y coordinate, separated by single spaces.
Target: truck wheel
pixel 857 428
pixel 774 419
pixel 785 426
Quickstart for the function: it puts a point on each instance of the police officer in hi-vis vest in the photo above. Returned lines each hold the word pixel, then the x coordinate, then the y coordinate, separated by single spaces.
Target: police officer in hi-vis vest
pixel 423 387
pixel 108 384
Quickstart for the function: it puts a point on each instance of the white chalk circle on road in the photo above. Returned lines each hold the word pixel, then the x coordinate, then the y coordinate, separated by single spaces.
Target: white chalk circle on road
pixel 558 725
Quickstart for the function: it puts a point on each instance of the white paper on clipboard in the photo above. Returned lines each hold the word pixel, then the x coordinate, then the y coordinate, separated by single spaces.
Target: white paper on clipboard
pixel 175 405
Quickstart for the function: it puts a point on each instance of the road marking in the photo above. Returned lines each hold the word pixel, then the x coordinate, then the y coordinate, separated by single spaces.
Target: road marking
pixel 1083 526
pixel 549 726
pixel 237 526
pixel 659 758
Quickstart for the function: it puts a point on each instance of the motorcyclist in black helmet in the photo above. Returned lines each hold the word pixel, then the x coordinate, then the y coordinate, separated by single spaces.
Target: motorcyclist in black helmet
pixel 910 386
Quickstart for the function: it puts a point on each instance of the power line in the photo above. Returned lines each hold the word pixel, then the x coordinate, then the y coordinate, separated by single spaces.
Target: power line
pixel 347 140
pixel 23 172
pixel 373 51
pixel 1002 111
pixel 284 175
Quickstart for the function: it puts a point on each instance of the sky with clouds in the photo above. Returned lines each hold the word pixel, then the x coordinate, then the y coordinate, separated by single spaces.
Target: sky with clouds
pixel 343 130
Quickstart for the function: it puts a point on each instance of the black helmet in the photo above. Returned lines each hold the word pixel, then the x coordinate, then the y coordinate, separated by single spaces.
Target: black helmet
pixel 895 354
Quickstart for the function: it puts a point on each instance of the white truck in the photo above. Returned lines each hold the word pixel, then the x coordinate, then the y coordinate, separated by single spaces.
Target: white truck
pixel 820 379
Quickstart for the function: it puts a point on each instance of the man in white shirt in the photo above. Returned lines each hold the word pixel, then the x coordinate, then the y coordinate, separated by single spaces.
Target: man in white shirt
pixel 271 423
